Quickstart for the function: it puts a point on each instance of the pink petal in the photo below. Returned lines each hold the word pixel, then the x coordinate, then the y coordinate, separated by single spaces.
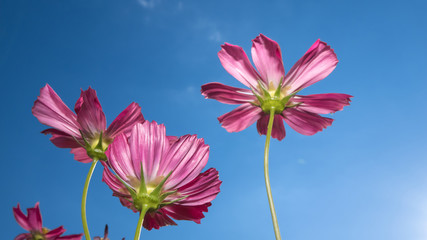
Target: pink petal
pixel 240 118
pixel 227 94
pixel 71 237
pixel 61 139
pixel 203 189
pixel 157 220
pixel 35 218
pixel 185 158
pixel 53 234
pixel 148 144
pixel 172 139
pixel 317 63
pixel 111 180
pixel 90 116
pixel 119 158
pixel 125 121
pixel 304 122
pixel 24 236
pixel 323 103
pixel 50 110
pixel 236 62
pixel 21 219
pixel 278 132
pixel 192 213
pixel 268 60
pixel 80 155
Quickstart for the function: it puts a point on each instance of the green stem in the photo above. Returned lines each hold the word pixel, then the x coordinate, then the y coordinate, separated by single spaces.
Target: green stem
pixel 140 221
pixel 267 177
pixel 84 197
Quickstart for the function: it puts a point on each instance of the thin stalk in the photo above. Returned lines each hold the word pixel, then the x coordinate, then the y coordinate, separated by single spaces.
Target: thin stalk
pixel 140 221
pixel 267 176
pixel 84 197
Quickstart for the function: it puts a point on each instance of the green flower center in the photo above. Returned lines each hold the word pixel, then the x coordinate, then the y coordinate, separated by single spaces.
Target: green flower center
pixel 273 99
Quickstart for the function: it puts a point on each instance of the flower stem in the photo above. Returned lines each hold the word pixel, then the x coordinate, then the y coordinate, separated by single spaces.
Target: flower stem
pixel 267 177
pixel 140 221
pixel 84 197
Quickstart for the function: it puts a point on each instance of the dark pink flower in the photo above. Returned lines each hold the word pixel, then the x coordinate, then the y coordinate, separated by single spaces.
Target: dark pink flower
pixel 86 127
pixel 34 225
pixel 170 184
pixel 270 87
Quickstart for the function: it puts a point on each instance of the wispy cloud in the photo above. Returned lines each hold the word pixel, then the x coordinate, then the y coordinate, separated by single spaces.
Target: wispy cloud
pixel 149 3
pixel 210 28
pixel 301 161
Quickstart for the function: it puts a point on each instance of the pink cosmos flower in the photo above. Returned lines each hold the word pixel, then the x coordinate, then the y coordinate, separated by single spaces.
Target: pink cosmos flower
pixel 170 184
pixel 270 87
pixel 33 224
pixel 85 128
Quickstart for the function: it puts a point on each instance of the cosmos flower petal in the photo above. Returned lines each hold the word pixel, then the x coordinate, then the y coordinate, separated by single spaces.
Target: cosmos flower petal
pixel 90 116
pixel 191 213
pixel 240 118
pixel 323 103
pixel 156 220
pixel 237 63
pixel 21 219
pixel 50 110
pixel 227 94
pixel 278 132
pixel 304 122
pixel 23 236
pixel 317 63
pixel 119 158
pixel 267 58
pixel 61 139
pixel 148 143
pixel 185 158
pixel 111 180
pixel 35 218
pixel 203 189
pixel 80 155
pixel 53 234
pixel 126 119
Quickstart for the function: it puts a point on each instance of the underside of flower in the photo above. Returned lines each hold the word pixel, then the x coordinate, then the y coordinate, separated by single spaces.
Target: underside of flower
pixel 273 99
pixel 97 147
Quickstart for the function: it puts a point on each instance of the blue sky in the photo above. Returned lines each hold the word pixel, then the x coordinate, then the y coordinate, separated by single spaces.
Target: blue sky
pixel 362 178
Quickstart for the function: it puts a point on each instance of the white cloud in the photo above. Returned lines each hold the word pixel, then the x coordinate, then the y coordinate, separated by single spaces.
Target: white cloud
pixel 210 28
pixel 148 3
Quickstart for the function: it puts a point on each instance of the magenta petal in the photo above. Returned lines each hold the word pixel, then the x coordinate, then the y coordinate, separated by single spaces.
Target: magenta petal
pixel 304 122
pixel 125 121
pixel 172 139
pixel 227 94
pixel 148 144
pixel 61 139
pixel 192 213
pixel 119 158
pixel 24 236
pixel 185 158
pixel 317 63
pixel 21 219
pixel 80 155
pixel 323 103
pixel 236 62
pixel 203 189
pixel 90 115
pixel 240 118
pixel 51 111
pixel 35 218
pixel 157 220
pixel 268 60
pixel 53 234
pixel 278 132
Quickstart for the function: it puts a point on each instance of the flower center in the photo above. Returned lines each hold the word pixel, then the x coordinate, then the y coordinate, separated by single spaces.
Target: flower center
pixel 273 99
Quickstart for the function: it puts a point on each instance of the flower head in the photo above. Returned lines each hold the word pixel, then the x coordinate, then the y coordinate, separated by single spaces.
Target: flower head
pixel 33 224
pixel 161 174
pixel 85 131
pixel 272 90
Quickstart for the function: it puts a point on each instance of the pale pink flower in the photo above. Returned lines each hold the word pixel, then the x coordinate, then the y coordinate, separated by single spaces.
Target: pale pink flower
pixel 271 87
pixel 86 127
pixel 171 183
pixel 34 225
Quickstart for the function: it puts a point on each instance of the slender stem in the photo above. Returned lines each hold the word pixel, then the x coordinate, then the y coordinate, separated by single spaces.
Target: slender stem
pixel 267 177
pixel 140 221
pixel 84 197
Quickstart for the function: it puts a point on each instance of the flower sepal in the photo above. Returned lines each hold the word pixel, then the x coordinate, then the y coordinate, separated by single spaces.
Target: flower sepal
pixel 97 151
